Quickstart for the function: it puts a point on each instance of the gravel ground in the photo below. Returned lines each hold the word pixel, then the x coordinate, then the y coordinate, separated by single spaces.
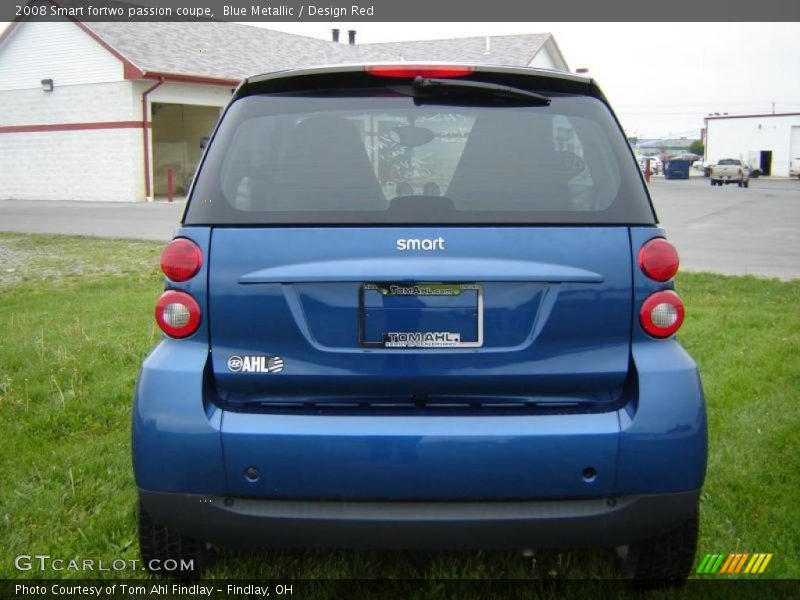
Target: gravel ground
pixel 25 258
pixel 13 264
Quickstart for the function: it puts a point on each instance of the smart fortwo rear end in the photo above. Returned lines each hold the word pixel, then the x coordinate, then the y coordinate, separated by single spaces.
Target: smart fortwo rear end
pixel 420 306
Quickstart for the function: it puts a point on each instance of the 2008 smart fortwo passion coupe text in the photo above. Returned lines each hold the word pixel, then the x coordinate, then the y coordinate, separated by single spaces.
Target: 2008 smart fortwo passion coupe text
pixel 420 306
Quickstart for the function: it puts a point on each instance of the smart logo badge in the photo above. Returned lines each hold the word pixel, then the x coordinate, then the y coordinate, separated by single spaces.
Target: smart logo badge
pixel 721 564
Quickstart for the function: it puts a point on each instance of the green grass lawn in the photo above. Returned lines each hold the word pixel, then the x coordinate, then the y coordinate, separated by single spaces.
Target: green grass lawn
pixel 76 322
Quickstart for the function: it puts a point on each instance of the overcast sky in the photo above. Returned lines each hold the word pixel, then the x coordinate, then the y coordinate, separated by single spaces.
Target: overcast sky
pixel 661 78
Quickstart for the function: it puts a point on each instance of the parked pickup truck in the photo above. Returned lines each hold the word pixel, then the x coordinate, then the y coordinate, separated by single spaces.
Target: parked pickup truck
pixel 730 170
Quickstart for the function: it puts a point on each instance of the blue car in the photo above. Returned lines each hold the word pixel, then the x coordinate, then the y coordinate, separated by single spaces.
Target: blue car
pixel 420 307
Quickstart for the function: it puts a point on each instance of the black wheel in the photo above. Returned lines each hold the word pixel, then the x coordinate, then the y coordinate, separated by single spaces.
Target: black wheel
pixel 740 183
pixel 666 560
pixel 713 183
pixel 746 184
pixel 159 544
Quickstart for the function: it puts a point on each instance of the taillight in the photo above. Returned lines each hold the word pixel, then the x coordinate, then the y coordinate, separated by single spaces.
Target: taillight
pixel 741 172
pixel 411 71
pixel 177 314
pixel 658 259
pixel 662 314
pixel 181 259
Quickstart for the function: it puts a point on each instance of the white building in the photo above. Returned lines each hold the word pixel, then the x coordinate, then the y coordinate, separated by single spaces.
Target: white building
pixel 104 111
pixel 769 142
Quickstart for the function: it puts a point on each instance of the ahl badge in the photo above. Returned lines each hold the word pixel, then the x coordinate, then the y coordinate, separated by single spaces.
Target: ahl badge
pixel 255 364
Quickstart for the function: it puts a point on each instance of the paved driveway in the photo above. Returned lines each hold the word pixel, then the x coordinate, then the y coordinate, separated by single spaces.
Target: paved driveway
pixel 721 229
pixel 732 230
pixel 145 221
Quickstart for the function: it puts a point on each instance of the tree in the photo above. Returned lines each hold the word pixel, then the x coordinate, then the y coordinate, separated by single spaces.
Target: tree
pixel 697 147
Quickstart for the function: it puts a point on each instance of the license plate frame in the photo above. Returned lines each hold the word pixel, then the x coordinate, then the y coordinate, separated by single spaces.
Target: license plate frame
pixel 420 340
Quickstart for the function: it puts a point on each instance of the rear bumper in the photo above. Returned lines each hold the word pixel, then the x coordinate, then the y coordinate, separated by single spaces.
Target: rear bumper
pixel 593 522
pixel 184 444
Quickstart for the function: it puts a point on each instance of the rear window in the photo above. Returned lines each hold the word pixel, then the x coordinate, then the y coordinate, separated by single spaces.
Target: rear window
pixel 729 162
pixel 366 157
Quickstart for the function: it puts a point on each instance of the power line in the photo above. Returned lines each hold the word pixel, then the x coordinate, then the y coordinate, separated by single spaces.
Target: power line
pixel 792 102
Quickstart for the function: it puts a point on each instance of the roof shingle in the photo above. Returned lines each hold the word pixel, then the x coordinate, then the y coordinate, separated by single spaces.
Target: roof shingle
pixel 234 51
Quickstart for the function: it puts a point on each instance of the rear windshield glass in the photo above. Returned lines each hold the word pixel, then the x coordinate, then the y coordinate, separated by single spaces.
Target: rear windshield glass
pixel 729 161
pixel 380 158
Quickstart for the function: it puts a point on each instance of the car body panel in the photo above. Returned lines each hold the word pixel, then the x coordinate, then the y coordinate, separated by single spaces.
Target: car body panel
pixel 553 304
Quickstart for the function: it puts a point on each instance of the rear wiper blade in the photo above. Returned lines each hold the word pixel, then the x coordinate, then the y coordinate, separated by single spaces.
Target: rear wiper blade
pixel 426 87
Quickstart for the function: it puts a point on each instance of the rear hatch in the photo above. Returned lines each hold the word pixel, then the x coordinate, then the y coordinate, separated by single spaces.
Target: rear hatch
pixel 518 316
pixel 386 247
pixel 423 242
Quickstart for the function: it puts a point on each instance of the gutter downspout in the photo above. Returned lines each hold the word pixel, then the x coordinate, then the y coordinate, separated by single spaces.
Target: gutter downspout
pixel 145 137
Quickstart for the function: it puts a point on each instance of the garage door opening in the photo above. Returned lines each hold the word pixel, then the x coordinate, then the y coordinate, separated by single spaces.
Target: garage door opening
pixel 765 161
pixel 179 134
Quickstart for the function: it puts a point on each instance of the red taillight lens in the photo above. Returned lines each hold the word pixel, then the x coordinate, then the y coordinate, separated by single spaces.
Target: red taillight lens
pixel 181 259
pixel 177 314
pixel 662 314
pixel 658 259
pixel 411 71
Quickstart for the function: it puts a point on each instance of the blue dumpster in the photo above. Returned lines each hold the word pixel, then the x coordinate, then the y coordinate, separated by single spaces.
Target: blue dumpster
pixel 677 168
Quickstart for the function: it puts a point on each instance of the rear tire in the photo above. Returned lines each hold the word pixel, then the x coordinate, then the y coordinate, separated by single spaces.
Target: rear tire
pixel 746 184
pixel 158 543
pixel 741 183
pixel 665 560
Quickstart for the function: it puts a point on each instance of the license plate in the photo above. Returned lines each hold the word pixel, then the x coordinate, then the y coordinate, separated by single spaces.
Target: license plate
pixel 421 315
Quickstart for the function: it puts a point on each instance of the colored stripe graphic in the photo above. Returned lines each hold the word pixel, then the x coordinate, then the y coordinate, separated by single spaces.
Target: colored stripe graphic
pixel 765 563
pixel 741 562
pixel 727 563
pixel 752 562
pixel 760 559
pixel 718 564
pixel 708 559
pixel 734 563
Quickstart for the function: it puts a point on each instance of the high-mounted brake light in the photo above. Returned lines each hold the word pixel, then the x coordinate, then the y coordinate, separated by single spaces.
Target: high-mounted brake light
pixel 177 314
pixel 662 314
pixel 181 259
pixel 412 71
pixel 659 260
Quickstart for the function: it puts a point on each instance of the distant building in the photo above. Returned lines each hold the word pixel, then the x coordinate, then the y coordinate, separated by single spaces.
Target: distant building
pixel 104 111
pixel 670 147
pixel 768 142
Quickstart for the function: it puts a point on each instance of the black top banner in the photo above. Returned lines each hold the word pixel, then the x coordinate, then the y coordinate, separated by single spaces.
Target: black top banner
pixel 405 10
